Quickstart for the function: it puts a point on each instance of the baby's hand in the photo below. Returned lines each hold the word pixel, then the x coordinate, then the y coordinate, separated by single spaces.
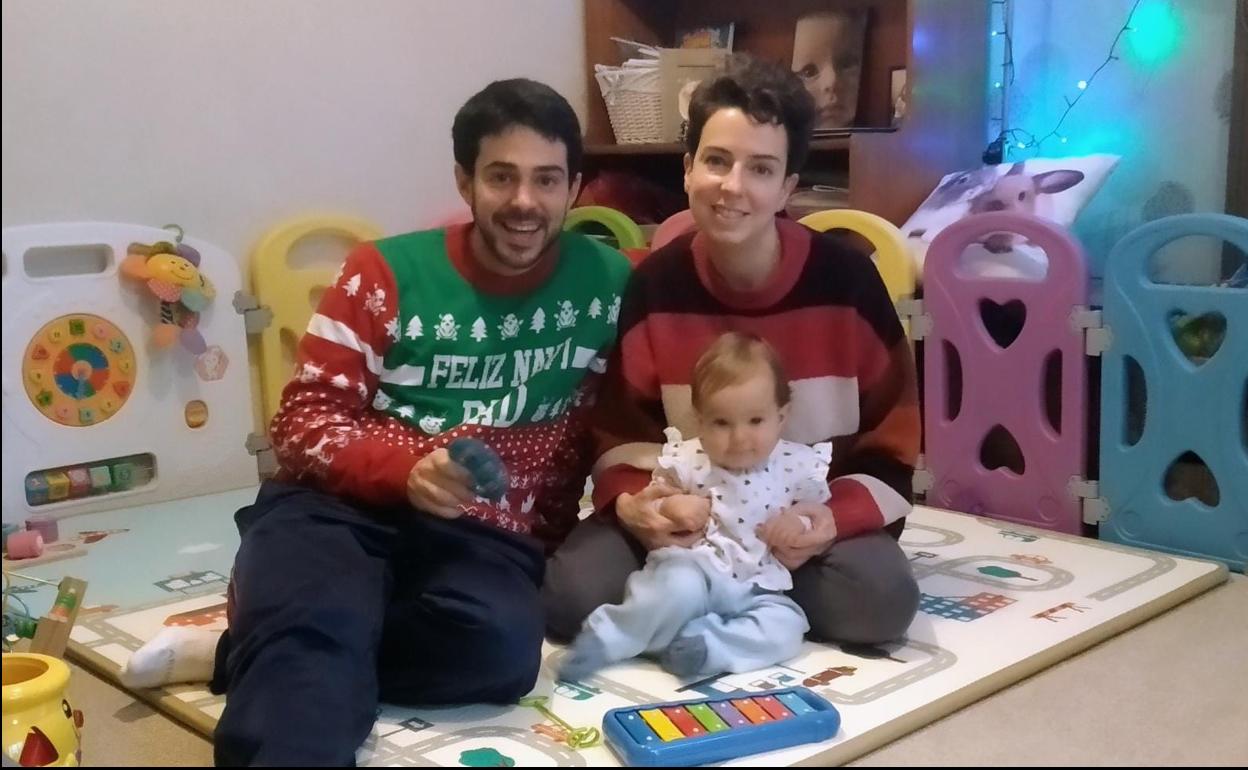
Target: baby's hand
pixel 783 530
pixel 813 542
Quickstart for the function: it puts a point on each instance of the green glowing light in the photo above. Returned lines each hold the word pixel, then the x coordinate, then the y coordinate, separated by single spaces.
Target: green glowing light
pixel 1155 31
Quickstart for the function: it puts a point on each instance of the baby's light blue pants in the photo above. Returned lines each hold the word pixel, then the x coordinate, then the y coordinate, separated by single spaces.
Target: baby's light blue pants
pixel 744 627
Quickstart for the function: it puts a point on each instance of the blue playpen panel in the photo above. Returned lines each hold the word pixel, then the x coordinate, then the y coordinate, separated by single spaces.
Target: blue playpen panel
pixel 1161 401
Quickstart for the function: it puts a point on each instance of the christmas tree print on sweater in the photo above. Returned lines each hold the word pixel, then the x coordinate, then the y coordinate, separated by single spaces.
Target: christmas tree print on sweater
pixel 492 360
pixel 406 353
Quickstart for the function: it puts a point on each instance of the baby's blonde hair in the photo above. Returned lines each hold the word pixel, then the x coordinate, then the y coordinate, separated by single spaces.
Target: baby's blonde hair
pixel 731 360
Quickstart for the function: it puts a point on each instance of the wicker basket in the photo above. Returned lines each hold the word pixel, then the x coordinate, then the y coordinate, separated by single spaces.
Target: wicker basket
pixel 634 99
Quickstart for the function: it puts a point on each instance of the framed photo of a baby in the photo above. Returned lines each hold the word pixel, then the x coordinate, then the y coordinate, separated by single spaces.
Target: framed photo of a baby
pixel 827 56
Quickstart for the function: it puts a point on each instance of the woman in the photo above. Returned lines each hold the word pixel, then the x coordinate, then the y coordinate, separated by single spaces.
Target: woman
pixel 823 308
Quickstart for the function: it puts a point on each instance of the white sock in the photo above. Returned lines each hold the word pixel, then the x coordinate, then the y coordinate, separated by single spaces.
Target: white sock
pixel 176 654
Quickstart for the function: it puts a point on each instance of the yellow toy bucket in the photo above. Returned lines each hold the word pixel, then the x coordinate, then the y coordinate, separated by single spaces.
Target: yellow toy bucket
pixel 40 727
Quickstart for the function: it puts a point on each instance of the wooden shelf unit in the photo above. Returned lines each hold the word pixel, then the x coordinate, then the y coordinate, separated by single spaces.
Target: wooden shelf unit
pixel 943 44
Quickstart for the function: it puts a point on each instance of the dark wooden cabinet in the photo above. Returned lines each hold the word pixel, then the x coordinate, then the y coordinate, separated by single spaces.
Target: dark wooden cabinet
pixel 943 44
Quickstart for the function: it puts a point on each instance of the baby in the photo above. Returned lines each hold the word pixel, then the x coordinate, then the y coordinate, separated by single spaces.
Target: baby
pixel 719 605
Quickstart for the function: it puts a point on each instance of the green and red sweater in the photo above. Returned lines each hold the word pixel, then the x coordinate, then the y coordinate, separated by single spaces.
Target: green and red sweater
pixel 826 312
pixel 416 344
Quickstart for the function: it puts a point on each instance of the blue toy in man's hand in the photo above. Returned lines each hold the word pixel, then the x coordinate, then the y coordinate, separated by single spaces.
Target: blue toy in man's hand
pixel 489 475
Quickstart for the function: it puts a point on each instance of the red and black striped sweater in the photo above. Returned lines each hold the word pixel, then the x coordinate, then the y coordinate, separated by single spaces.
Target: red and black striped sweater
pixel 826 312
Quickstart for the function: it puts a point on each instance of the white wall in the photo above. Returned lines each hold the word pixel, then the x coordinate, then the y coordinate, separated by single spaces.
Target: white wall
pixel 229 116
pixel 1167 118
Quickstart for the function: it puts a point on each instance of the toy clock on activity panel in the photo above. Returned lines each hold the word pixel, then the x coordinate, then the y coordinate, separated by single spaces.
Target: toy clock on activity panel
pixel 170 271
pixel 79 369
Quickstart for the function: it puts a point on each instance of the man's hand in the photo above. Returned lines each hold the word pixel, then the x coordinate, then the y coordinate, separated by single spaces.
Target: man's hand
pixel 439 485
pixel 800 548
pixel 660 515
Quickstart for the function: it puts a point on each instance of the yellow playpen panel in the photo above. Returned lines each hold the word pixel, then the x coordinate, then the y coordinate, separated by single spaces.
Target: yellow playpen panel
pixel 891 257
pixel 292 290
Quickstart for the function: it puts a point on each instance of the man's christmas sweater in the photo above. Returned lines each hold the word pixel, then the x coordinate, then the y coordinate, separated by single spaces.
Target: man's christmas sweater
pixel 416 344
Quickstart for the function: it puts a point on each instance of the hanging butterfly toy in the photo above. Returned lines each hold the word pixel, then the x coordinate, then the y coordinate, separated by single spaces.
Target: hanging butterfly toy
pixel 170 270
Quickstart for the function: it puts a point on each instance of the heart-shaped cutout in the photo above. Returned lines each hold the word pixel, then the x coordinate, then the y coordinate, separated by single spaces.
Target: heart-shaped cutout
pixel 1189 478
pixel 1198 337
pixel 1001 450
pixel 1003 322
pixel 122 388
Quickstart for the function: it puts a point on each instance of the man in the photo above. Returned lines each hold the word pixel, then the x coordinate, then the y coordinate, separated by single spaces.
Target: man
pixel 826 312
pixel 371 570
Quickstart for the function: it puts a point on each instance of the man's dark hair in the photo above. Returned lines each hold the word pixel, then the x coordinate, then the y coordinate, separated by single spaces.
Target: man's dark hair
pixel 504 104
pixel 763 90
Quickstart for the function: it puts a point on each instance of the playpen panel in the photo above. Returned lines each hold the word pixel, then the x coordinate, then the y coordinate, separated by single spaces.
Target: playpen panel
pixel 1002 387
pixel 1161 402
pixel 891 257
pixel 291 293
pixel 623 230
